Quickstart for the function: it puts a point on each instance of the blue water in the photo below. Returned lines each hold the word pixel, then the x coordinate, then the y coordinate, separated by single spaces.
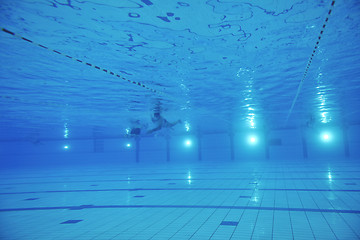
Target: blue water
pixel 259 132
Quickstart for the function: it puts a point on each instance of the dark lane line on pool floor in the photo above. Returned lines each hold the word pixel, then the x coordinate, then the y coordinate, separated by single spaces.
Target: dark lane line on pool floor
pixel 81 207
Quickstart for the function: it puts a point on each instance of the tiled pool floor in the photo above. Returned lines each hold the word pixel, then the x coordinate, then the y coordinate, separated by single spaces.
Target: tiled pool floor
pixel 206 201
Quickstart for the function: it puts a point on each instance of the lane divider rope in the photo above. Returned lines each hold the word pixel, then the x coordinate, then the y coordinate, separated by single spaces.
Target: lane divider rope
pixel 81 61
pixel 310 61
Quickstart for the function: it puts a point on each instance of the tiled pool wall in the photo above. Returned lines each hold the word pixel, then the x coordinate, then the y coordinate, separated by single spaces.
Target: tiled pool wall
pixel 295 144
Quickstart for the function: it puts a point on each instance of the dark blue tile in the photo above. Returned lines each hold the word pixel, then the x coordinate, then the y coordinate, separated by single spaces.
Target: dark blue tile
pixel 253 183
pixel 350 183
pixel 165 19
pixel 229 223
pixel 171 183
pixel 147 2
pixel 244 196
pixel 139 196
pixel 94 185
pixel 71 221
pixel 30 199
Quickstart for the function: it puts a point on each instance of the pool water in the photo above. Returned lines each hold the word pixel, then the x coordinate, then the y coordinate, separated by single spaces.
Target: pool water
pixel 201 119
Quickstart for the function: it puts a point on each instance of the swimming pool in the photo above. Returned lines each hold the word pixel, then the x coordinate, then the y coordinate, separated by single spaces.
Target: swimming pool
pixel 213 119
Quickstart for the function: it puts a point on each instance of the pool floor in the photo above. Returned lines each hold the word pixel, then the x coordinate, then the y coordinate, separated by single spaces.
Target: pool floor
pixel 258 200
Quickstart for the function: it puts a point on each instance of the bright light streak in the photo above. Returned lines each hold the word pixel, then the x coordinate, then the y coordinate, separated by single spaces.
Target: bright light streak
pixel 329 175
pixel 66 130
pixel 187 126
pixel 127 131
pixel 325 118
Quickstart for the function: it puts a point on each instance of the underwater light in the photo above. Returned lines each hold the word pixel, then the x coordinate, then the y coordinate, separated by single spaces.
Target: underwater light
pixel 188 143
pixel 252 140
pixel 326 137
pixel 66 147
pixel 128 145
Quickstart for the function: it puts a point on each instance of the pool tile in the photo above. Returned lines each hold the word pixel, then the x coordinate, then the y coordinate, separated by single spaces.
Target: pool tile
pixel 229 223
pixel 71 221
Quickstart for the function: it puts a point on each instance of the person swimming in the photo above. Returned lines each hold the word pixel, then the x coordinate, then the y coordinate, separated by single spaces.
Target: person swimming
pixel 136 128
pixel 160 122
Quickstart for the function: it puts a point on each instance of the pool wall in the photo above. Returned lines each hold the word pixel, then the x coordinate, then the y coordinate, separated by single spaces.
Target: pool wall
pixel 285 144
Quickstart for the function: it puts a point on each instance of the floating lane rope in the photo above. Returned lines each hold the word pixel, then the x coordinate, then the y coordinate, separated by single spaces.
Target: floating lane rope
pixel 80 61
pixel 310 61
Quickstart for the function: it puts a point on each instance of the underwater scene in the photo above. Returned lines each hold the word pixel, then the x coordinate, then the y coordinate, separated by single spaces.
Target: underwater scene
pixel 162 119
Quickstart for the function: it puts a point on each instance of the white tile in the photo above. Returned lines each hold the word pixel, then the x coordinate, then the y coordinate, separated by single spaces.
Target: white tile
pixel 182 209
